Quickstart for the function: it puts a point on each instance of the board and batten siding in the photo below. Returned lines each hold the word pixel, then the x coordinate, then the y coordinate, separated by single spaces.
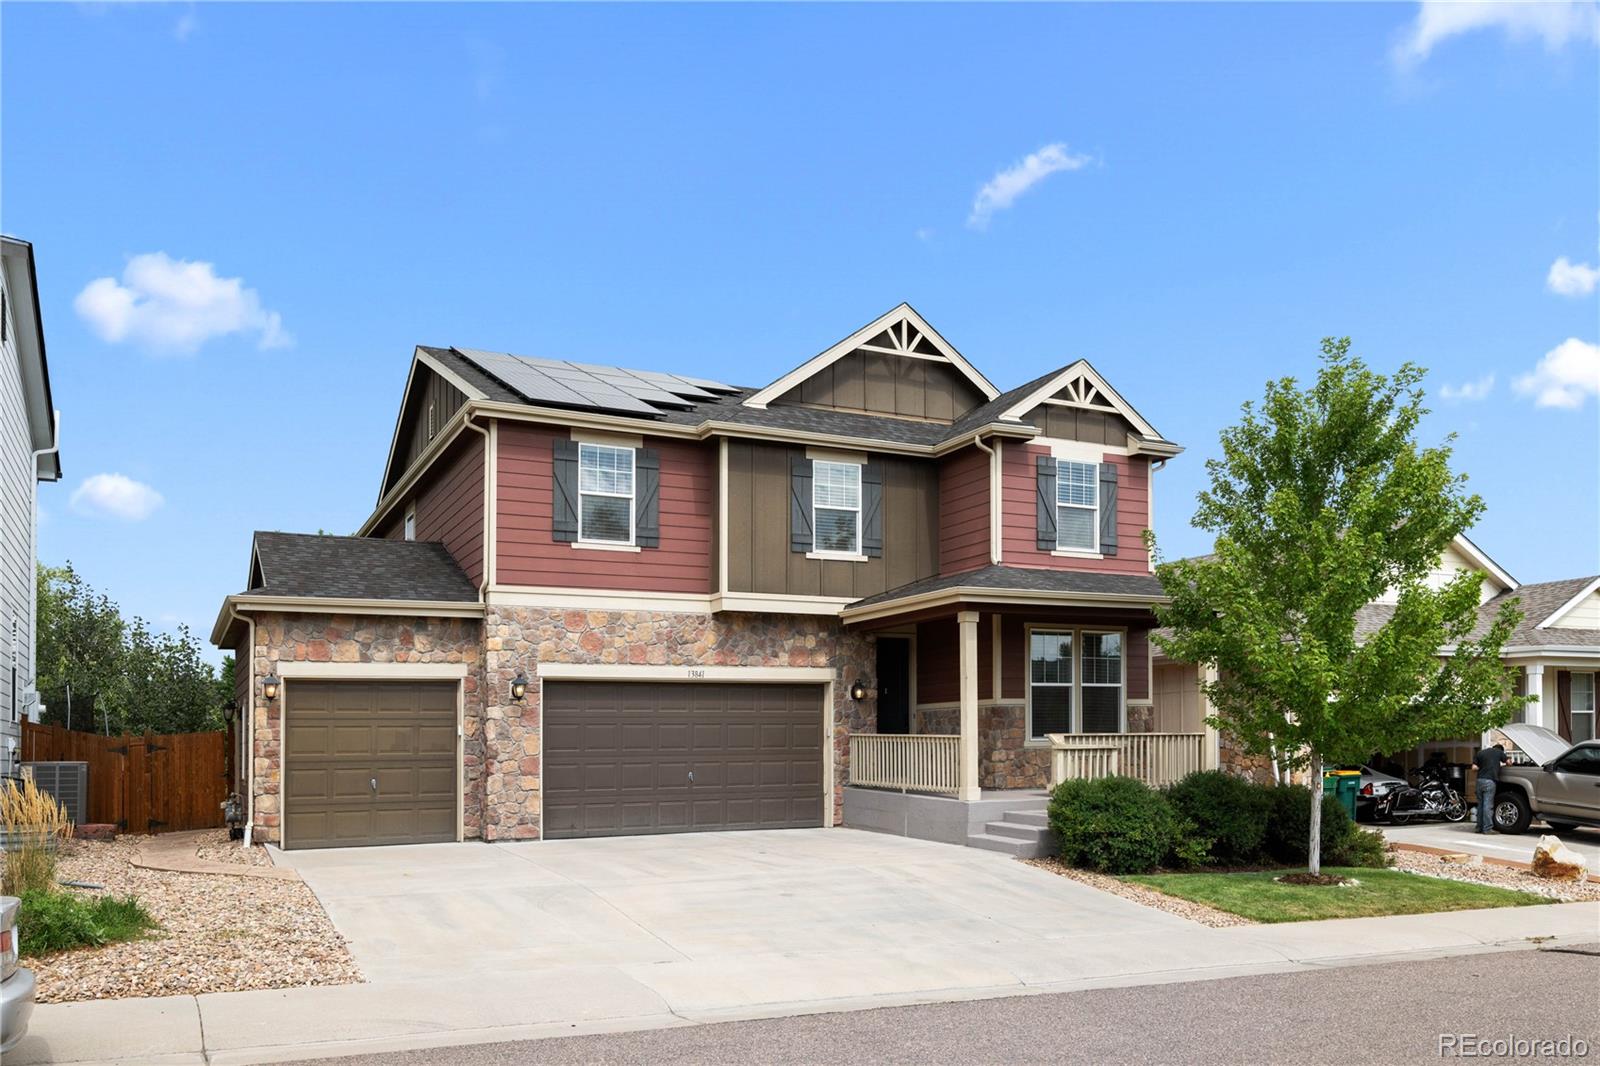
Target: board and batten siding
pixel 17 476
pixel 527 554
pixel 964 512
pixel 759 555
pixel 449 503
pixel 433 401
pixel 877 383
pixel 1019 495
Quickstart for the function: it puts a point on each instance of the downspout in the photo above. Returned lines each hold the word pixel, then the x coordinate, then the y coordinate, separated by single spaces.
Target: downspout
pixel 249 728
pixel 488 506
pixel 33 600
pixel 994 497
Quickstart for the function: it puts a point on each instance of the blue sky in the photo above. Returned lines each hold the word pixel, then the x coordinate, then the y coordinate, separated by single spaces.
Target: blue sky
pixel 1189 196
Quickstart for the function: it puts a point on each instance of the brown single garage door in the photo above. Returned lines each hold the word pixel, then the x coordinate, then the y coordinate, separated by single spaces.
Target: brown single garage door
pixel 623 758
pixel 369 763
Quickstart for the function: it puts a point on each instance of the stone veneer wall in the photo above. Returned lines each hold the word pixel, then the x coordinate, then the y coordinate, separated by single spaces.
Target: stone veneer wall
pixel 1235 760
pixel 520 638
pixel 342 638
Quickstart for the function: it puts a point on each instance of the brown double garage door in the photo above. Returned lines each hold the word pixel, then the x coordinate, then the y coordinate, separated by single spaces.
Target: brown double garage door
pixel 632 757
pixel 369 763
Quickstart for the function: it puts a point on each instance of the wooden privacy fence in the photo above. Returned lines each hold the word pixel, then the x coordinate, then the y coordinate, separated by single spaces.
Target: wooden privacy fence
pixel 142 784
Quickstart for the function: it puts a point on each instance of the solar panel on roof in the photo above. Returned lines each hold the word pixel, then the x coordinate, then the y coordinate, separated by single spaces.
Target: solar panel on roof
pixel 588 385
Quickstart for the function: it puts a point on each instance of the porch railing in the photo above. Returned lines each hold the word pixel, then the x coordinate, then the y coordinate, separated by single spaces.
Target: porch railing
pixel 1157 759
pixel 921 762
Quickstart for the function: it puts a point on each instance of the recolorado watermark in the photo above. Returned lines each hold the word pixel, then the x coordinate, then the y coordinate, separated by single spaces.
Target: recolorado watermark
pixel 1474 1046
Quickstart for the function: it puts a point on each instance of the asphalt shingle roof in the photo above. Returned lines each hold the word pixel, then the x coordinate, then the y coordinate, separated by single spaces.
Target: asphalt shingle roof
pixel 359 568
pixel 1026 579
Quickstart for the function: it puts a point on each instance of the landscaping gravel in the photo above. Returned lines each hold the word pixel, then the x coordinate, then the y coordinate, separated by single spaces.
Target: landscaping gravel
pixel 1195 912
pixel 219 933
pixel 1482 873
pixel 215 846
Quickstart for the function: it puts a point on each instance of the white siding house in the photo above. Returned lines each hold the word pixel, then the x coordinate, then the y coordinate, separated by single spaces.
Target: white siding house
pixel 27 456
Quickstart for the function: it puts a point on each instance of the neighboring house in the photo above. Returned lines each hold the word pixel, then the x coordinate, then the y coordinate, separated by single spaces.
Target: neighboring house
pixel 597 601
pixel 27 457
pixel 1555 648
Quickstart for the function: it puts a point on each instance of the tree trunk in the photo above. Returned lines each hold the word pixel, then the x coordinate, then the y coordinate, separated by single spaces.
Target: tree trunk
pixel 1314 853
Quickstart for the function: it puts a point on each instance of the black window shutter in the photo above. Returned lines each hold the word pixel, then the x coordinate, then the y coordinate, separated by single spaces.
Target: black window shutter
pixel 800 536
pixel 872 510
pixel 564 495
pixel 1047 504
pixel 647 498
pixel 1108 509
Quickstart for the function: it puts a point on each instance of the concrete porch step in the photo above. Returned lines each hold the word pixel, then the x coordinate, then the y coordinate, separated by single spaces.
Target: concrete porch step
pixel 1022 849
pixel 1013 830
pixel 1038 818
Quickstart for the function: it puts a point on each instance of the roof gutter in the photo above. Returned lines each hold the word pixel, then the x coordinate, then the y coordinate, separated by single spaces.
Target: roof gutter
pixel 1021 597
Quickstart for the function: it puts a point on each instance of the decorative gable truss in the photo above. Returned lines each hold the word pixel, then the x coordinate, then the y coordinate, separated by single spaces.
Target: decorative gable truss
pixel 901 333
pixel 1081 386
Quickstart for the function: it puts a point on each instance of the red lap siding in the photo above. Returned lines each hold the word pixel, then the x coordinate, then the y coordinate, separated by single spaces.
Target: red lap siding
pixel 964 512
pixel 449 503
pixel 527 554
pixel 1019 522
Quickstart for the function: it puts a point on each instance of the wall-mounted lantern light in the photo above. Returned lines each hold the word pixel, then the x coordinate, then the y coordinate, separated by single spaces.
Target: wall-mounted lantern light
pixel 519 687
pixel 230 710
pixel 269 687
pixel 858 691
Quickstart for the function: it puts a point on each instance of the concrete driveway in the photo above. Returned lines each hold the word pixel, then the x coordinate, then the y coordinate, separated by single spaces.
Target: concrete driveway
pixel 1518 847
pixel 700 917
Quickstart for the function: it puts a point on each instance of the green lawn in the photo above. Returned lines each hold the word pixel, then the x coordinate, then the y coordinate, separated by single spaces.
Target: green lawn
pixel 1257 896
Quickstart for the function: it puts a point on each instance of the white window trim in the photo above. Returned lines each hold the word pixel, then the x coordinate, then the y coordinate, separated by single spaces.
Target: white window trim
pixel 1078 550
pixel 633 488
pixel 408 529
pixel 1078 633
pixel 855 554
pixel 1592 712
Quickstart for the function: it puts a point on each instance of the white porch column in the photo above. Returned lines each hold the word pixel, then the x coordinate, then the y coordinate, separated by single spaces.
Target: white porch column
pixel 1536 713
pixel 1213 753
pixel 967 622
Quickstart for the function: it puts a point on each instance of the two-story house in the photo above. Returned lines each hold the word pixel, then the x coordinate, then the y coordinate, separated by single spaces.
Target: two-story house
pixel 27 456
pixel 596 601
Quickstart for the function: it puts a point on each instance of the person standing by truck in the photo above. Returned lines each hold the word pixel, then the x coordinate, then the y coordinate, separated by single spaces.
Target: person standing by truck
pixel 1488 761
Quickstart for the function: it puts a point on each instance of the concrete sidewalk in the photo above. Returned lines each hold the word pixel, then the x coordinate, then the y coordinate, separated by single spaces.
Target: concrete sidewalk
pixel 456 1008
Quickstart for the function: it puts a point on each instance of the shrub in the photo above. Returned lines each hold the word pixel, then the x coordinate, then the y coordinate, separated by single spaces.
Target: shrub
pixel 1289 824
pixel 59 921
pixel 35 825
pixel 1113 824
pixel 1364 848
pixel 1229 811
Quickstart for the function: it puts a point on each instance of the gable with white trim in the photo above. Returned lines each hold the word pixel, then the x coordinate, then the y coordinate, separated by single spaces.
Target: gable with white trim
pixel 896 365
pixel 1462 556
pixel 1582 612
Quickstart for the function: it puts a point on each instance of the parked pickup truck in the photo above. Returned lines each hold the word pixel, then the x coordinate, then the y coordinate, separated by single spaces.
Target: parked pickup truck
pixel 1560 786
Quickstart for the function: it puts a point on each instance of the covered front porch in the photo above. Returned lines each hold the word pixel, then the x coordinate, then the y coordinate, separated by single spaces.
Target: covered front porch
pixel 993 690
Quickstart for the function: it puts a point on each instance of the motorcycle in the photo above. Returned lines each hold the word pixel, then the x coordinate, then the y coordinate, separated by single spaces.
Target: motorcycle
pixel 1435 797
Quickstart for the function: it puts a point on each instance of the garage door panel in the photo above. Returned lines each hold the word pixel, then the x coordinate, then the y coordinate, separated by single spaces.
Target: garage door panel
pixel 755 752
pixel 340 736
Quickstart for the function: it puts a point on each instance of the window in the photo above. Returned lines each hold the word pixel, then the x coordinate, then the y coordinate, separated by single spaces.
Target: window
pixel 1582 707
pixel 1049 683
pixel 1077 496
pixel 836 503
pixel 1075 682
pixel 605 492
pixel 1584 760
pixel 1102 682
pixel 411 522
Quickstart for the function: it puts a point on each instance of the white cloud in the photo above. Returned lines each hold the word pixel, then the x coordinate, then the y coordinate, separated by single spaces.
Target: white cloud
pixel 176 305
pixel 115 496
pixel 1470 391
pixel 1568 374
pixel 925 234
pixel 1002 190
pixel 1567 278
pixel 1555 22
pixel 185 25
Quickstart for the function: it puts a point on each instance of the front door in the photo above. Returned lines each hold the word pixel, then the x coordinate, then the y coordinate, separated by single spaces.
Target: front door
pixel 894 685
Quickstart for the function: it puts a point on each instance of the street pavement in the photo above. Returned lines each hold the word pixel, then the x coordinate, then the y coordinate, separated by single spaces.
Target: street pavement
pixel 1518 847
pixel 1381 1014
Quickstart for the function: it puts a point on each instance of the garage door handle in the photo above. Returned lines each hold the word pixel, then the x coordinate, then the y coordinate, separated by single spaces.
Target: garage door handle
pixel 374 784
pixel 691 777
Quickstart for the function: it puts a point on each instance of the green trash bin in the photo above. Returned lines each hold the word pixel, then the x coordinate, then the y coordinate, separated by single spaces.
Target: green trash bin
pixel 1343 785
